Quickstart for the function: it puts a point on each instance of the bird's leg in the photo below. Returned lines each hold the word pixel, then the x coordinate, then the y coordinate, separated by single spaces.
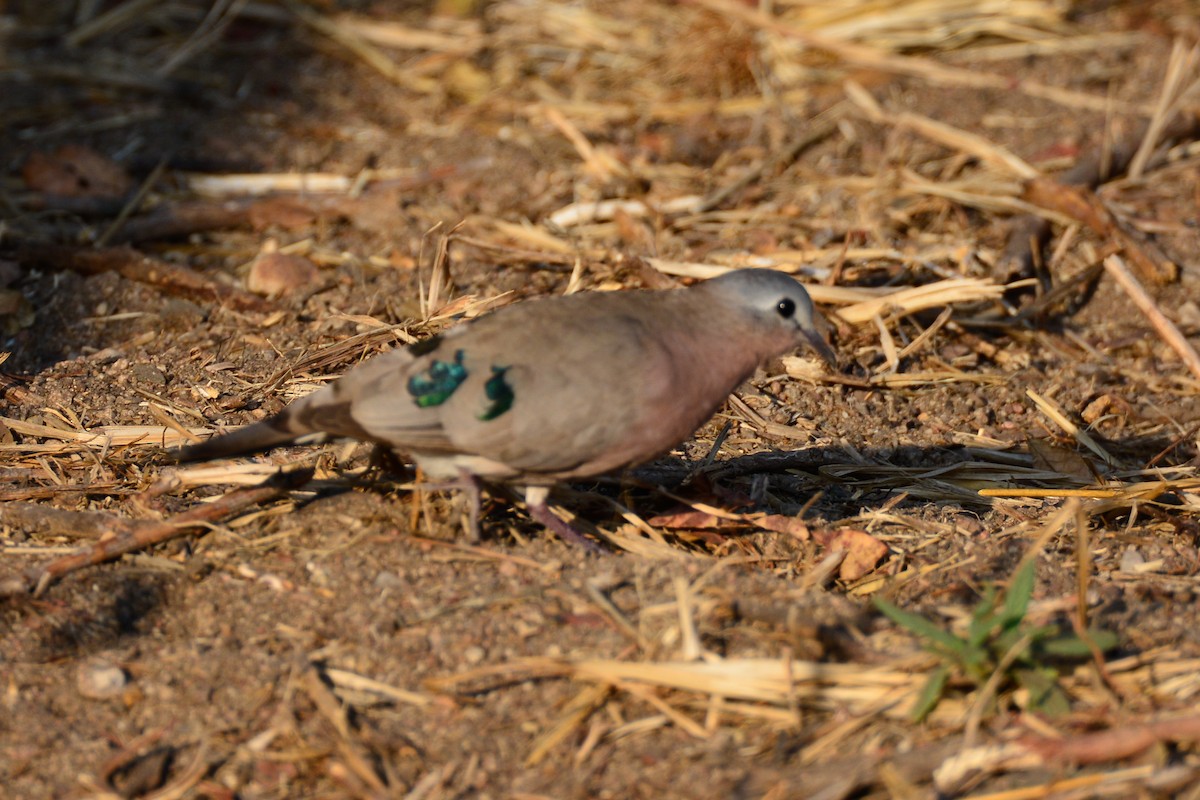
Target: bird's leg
pixel 539 510
pixel 417 501
pixel 468 484
pixel 384 461
pixel 472 496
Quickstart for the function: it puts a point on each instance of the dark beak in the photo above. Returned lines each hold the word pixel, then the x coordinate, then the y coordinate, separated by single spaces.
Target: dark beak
pixel 822 349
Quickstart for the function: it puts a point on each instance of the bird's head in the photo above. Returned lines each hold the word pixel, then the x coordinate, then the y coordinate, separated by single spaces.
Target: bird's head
pixel 778 305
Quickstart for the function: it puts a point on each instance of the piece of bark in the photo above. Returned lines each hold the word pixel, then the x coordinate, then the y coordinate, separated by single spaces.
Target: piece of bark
pixel 128 536
pixel 42 520
pixel 136 266
pixel 1029 234
pixel 1122 741
pixel 1082 205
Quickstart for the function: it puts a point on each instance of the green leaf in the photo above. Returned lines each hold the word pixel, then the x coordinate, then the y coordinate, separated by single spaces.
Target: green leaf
pixel 1020 591
pixel 921 627
pixel 1056 703
pixel 931 693
pixel 1035 681
pixel 1045 695
pixel 1072 646
pixel 1008 640
pixel 983 622
pixel 983 619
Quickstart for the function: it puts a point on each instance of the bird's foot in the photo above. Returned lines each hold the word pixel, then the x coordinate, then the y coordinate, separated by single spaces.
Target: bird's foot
pixel 539 510
pixel 473 497
pixel 383 462
pixel 472 493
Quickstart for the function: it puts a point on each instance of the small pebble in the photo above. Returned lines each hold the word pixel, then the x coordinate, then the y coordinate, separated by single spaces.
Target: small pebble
pixel 388 580
pixel 178 314
pixel 100 680
pixel 473 654
pixel 148 373
pixel 1131 559
pixel 12 587
pixel 274 274
pixel 968 525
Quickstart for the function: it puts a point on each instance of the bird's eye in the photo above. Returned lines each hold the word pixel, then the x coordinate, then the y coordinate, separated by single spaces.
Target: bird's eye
pixel 786 308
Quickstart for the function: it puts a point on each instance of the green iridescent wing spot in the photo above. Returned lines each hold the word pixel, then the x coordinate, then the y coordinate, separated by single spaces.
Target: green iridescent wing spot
pixel 499 393
pixel 435 385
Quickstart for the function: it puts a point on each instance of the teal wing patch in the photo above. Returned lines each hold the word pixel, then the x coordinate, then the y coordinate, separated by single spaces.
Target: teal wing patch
pixel 499 393
pixel 435 385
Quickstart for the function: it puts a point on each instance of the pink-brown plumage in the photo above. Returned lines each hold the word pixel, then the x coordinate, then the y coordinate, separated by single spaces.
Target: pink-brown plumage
pixel 555 388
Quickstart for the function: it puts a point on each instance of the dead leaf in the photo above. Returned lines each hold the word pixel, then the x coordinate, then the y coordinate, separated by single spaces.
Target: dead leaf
pixel 75 171
pixel 780 523
pixel 16 312
pixel 288 213
pixel 689 518
pixel 863 551
pixel 274 274
pixel 1065 461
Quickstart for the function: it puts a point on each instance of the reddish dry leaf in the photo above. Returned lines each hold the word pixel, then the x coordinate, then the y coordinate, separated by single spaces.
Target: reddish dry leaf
pixel 691 519
pixel 274 274
pixel 289 213
pixel 75 171
pixel 1116 743
pixel 780 523
pixel 695 520
pixel 863 551
pixel 9 272
pixel 1063 460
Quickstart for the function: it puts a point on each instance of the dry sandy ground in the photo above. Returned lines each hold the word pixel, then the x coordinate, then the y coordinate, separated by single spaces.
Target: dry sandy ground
pixel 340 642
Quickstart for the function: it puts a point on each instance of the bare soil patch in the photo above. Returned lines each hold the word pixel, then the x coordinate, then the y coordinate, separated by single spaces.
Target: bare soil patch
pixel 960 189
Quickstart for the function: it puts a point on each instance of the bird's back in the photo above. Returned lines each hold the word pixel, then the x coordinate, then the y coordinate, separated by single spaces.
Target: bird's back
pixel 561 387
pixel 542 390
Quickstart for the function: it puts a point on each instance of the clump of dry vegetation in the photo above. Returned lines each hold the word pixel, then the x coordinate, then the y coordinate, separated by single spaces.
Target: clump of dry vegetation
pixel 211 210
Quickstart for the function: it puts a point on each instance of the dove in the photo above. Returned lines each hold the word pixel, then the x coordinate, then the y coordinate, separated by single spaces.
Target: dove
pixel 553 389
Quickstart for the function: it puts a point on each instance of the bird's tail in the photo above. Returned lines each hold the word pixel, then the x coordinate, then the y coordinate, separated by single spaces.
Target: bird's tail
pixel 244 441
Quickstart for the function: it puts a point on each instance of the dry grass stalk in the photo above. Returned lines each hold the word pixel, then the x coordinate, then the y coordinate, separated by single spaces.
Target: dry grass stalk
pixel 1062 492
pixel 633 540
pixel 928 24
pixel 464 39
pixel 105 435
pixel 576 712
pixel 690 649
pixel 356 755
pixel 1085 43
pixel 969 765
pixel 1181 67
pixel 132 536
pixel 858 689
pixel 1059 418
pixel 922 68
pixel 773 681
pixel 434 299
pixel 110 21
pixel 599 163
pixel 982 192
pixel 344 679
pixel 955 138
pixel 349 37
pixel 582 213
pixel 1166 329
pixel 307 183
pixel 250 474
pixel 919 298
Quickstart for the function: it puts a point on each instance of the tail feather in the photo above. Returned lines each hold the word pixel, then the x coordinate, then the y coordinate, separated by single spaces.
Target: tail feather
pixel 244 441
